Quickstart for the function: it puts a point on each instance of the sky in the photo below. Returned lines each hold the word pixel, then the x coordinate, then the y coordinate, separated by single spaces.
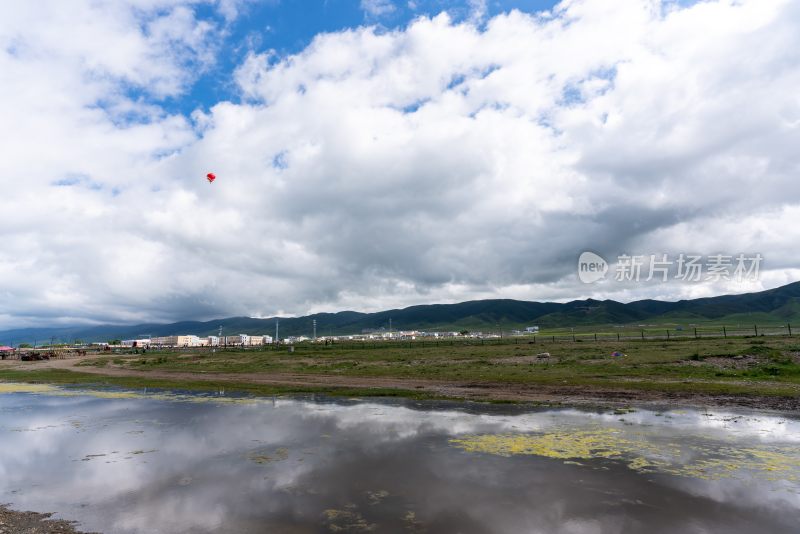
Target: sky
pixel 376 154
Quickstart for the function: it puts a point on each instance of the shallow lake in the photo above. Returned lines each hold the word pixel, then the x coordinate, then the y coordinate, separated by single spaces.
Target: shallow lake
pixel 120 462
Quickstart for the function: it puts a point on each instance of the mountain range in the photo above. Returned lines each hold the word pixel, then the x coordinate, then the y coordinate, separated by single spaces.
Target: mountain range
pixel 774 306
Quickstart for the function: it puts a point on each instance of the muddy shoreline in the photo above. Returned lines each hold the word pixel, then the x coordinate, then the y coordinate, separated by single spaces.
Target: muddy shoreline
pixel 16 522
pixel 461 390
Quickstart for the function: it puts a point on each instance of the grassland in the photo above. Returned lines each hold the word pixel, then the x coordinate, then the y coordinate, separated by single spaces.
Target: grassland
pixel 758 371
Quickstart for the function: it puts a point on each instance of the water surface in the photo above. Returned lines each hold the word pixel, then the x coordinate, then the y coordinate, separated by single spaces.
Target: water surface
pixel 121 462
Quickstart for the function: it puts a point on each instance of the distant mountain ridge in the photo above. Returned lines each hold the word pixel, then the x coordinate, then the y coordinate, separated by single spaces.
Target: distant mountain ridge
pixel 779 305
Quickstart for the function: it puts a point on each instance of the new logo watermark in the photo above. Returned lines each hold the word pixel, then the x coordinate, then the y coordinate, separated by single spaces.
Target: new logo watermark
pixel 663 267
pixel 591 267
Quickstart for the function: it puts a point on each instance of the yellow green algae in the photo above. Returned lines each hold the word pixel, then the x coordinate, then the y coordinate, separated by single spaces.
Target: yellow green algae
pixel 110 394
pixel 411 522
pixel 375 497
pixel 347 520
pixel 640 452
pixel 267 457
pixel 15 387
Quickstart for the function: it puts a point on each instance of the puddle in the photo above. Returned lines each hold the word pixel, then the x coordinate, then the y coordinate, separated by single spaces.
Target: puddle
pixel 130 462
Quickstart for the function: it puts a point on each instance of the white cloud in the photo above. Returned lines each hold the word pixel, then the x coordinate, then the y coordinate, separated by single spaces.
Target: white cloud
pixel 377 8
pixel 478 10
pixel 438 162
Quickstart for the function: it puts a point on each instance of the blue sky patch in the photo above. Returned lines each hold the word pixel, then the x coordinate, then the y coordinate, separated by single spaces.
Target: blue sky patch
pixel 288 26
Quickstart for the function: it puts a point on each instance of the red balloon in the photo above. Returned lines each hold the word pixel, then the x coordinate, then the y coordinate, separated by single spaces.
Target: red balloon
pixel 211 177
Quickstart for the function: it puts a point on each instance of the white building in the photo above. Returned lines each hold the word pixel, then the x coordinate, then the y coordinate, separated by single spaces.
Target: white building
pixel 178 341
pixel 136 342
pixel 243 340
pixel 192 341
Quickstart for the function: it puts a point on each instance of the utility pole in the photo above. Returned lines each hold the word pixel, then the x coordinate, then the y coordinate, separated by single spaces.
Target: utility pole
pixel 314 322
pixel 219 337
pixel 277 339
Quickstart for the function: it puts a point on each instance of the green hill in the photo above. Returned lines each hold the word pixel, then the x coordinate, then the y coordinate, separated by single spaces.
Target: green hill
pixel 775 306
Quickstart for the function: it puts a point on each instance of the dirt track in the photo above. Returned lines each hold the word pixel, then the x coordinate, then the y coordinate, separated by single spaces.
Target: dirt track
pixel 479 391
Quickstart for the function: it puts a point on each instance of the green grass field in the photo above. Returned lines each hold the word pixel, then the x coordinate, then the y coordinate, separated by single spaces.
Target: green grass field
pixel 764 365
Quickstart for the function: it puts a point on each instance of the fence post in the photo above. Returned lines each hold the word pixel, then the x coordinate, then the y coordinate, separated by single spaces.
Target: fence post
pixel 695 333
pixel 789 326
pixel 642 335
pixel 755 327
pixel 534 340
pixel 617 336
pixel 668 334
pixel 595 336
pixel 573 338
pixel 554 339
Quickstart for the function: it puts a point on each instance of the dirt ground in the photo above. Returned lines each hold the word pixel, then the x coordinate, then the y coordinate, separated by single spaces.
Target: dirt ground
pixel 470 390
pixel 13 522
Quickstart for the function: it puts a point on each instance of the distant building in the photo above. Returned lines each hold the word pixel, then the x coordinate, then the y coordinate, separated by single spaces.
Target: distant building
pixel 178 341
pixel 232 341
pixel 136 343
pixel 190 340
pixel 532 329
